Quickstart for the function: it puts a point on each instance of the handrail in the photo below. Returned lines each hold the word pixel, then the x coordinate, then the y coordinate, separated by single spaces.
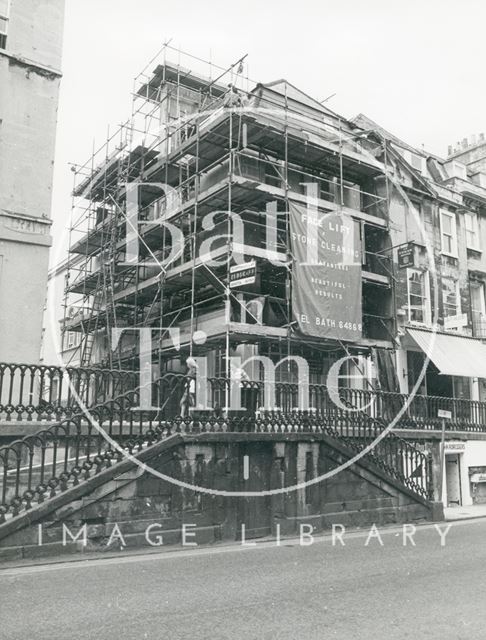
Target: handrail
pixel 400 458
pixel 71 450
pixel 46 392
pixel 49 461
pixel 420 411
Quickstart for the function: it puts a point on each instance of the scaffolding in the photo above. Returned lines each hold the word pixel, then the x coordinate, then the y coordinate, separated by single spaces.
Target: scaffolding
pixel 220 144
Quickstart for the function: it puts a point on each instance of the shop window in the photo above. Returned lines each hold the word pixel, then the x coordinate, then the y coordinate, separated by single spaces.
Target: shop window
pixel 477 478
pixel 448 232
pixel 472 231
pixel 418 292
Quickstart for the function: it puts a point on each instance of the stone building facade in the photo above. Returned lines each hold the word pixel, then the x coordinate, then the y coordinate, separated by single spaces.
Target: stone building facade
pixel 30 59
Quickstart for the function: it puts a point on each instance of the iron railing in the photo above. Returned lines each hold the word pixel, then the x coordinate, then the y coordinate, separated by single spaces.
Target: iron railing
pixel 41 392
pixel 417 411
pixel 50 461
pixel 74 447
pixel 420 411
pixel 407 461
pixel 47 462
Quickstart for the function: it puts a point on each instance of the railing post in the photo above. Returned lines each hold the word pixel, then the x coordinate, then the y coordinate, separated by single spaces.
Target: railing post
pixel 429 479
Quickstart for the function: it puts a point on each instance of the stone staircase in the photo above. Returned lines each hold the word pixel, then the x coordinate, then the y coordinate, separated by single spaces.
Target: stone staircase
pixel 57 474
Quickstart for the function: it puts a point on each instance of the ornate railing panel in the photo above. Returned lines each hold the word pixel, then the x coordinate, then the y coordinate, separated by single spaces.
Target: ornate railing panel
pixel 41 392
pixel 419 411
pixel 51 460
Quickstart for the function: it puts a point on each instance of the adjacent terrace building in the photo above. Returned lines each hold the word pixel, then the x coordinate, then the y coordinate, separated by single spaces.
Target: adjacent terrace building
pixel 438 230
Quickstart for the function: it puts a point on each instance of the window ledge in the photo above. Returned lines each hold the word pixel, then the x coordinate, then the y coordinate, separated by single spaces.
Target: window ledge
pixel 36 66
pixel 420 325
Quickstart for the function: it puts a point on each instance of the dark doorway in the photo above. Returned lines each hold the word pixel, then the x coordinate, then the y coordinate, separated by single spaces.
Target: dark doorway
pixel 433 383
pixel 254 470
pixel 437 384
pixel 453 479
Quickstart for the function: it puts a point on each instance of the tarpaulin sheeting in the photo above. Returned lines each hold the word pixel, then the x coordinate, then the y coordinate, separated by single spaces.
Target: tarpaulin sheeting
pixel 326 273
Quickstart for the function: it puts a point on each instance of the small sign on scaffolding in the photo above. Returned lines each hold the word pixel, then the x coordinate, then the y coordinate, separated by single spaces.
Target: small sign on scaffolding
pixel 242 274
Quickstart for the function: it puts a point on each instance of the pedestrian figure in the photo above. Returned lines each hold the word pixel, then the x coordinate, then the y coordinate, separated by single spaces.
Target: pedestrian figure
pixel 188 399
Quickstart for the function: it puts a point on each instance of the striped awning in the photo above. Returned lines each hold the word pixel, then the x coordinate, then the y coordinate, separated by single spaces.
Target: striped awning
pixel 452 355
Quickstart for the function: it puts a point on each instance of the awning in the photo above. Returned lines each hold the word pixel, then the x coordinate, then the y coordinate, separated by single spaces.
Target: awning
pixel 452 355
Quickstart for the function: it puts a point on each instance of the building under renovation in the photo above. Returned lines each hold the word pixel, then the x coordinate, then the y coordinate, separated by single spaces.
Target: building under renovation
pixel 236 218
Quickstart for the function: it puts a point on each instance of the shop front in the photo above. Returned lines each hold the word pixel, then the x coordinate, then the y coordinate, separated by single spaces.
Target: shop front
pixel 464 472
pixel 448 369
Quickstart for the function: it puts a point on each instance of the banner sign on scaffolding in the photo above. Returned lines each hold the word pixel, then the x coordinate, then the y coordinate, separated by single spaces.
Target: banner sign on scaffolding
pixel 326 273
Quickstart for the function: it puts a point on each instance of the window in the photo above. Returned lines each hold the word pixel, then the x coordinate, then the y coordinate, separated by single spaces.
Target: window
pixel 448 233
pixel 4 6
pixel 460 170
pixel 451 298
pixel 416 161
pixel 478 308
pixel 418 291
pixel 71 340
pixel 472 231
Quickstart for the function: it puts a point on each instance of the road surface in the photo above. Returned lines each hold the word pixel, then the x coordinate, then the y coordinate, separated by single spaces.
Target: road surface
pixel 232 592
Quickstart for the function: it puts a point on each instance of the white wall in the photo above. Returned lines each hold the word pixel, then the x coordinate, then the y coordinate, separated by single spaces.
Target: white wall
pixel 474 456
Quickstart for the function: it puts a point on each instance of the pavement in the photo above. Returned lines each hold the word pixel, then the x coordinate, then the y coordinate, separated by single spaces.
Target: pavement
pixel 374 587
pixel 465 513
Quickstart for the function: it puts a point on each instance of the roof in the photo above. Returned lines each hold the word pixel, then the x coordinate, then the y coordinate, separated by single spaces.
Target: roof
pixel 171 72
pixel 367 123
pixel 284 88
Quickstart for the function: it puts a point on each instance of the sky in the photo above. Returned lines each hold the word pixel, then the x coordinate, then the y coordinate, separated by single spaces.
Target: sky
pixel 415 66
